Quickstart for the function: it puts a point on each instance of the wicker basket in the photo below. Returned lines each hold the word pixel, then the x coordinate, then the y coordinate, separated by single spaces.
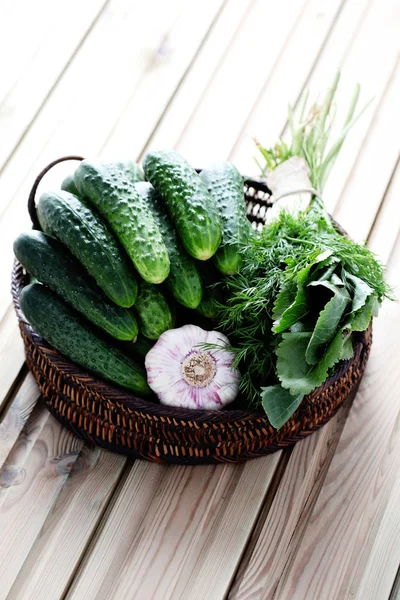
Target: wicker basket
pixel 117 420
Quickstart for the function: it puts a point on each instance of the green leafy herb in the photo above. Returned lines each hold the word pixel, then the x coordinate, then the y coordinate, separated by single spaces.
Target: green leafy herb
pixel 279 404
pixel 303 288
pixel 328 320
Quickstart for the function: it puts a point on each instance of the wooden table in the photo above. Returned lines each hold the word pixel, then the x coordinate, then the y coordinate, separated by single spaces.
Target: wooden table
pixel 114 77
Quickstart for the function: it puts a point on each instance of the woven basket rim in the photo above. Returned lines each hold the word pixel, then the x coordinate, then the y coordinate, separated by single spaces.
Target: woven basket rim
pixel 113 418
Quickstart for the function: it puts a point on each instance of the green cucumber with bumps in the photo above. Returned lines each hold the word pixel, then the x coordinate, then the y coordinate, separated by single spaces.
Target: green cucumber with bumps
pixel 137 349
pixel 51 263
pixel 189 203
pixel 184 281
pixel 225 184
pixel 131 170
pixel 68 185
pixel 212 294
pixel 68 332
pixel 83 232
pixel 153 312
pixel 108 188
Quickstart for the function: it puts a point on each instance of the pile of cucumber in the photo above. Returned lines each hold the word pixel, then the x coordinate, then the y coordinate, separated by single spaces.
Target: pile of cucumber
pixel 120 249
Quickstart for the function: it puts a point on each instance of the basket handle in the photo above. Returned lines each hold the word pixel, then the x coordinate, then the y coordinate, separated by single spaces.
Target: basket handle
pixel 31 198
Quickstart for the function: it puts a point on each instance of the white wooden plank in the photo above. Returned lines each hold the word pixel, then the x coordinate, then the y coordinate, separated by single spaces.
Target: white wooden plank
pixel 298 490
pixel 32 478
pixel 175 532
pixel 371 173
pixel 45 65
pixel 285 84
pixel 196 81
pixel 386 227
pixel 384 556
pixel 235 84
pixel 17 414
pixel 18 39
pixel 168 68
pixel 70 524
pixel 12 354
pixel 371 68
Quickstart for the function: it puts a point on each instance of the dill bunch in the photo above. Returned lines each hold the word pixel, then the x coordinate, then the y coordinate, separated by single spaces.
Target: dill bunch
pixel 271 261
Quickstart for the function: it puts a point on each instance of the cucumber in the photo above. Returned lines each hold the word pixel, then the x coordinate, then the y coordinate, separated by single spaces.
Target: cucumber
pixel 68 185
pixel 50 262
pixel 138 349
pixel 131 170
pixel 225 184
pixel 191 207
pixel 212 294
pixel 66 330
pixel 110 191
pixel 208 305
pixel 184 281
pixel 83 232
pixel 153 312
pixel 142 346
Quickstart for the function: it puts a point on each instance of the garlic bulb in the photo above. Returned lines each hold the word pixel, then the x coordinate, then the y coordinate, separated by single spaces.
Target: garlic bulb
pixel 182 373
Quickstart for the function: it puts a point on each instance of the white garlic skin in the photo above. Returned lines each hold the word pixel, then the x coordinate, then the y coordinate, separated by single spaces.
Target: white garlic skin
pixel 185 374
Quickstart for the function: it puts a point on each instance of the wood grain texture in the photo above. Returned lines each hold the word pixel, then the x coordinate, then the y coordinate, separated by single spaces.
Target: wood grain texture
pixel 287 519
pixel 196 80
pixel 175 532
pixel 386 227
pixel 31 480
pixel 16 32
pixel 372 68
pixel 169 66
pixel 246 64
pixel 305 43
pixel 69 525
pixel 44 61
pixel 12 356
pixel 366 185
pixel 17 414
pixel 384 555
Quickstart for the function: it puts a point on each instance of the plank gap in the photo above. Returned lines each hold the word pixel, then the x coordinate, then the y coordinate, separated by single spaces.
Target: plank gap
pixel 91 541
pixel 306 79
pixel 182 79
pixel 395 592
pixel 262 516
pixel 13 390
pixel 382 202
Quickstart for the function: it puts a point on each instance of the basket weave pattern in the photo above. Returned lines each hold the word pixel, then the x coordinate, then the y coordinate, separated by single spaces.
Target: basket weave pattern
pixel 119 421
